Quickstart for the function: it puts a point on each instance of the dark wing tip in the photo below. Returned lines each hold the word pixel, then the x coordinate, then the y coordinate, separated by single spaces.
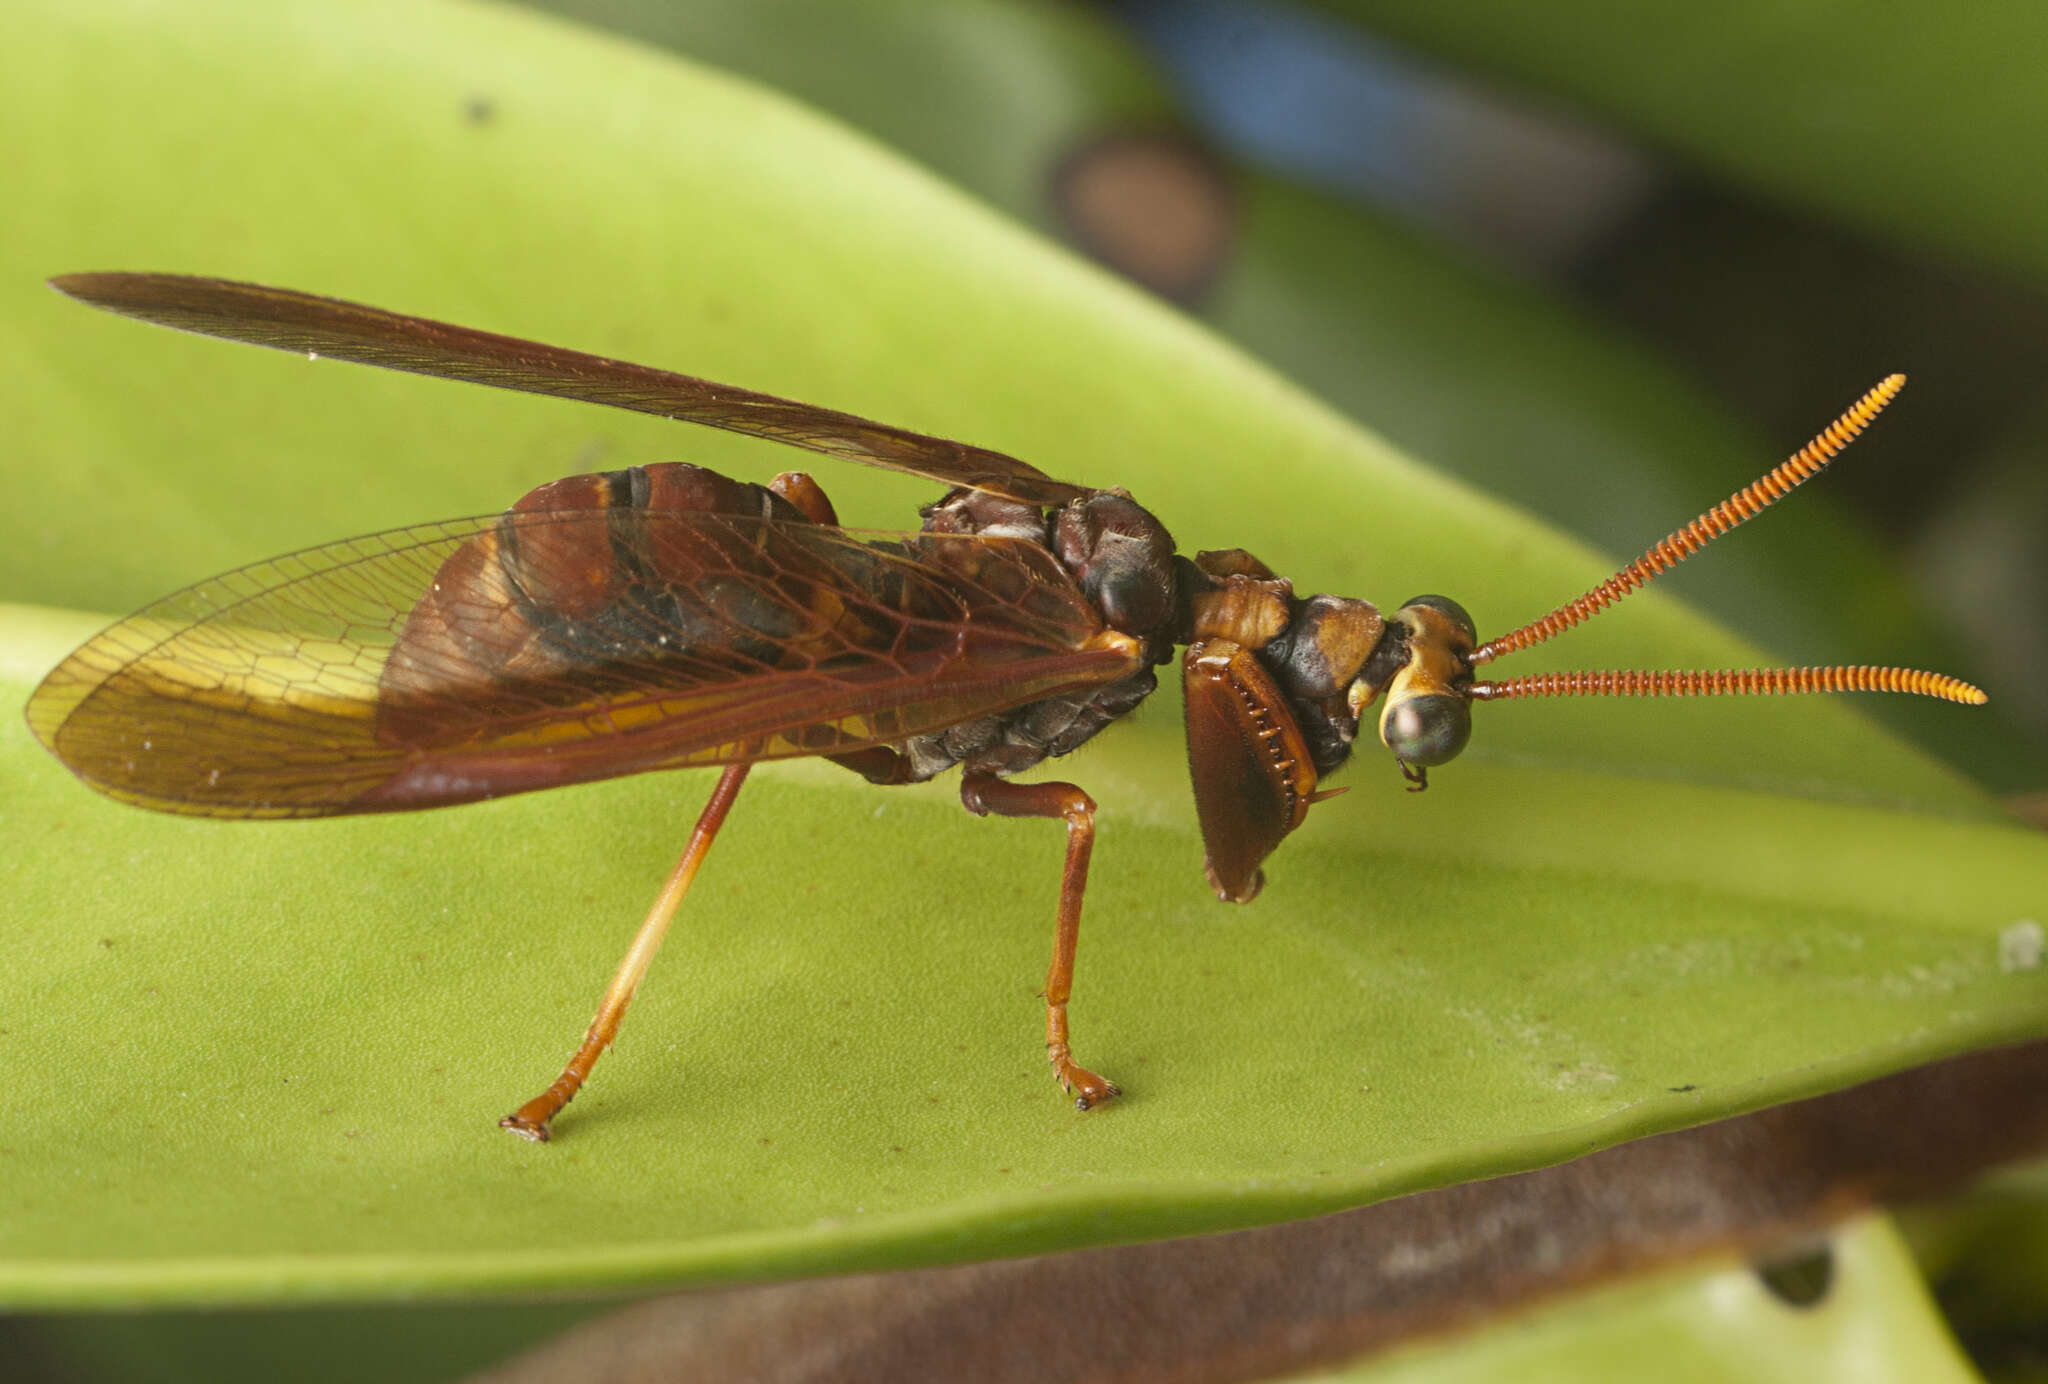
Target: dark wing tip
pixel 129 293
pixel 84 287
pixel 95 286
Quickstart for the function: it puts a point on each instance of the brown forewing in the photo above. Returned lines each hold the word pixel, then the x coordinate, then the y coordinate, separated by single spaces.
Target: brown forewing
pixel 454 662
pixel 304 322
pixel 1252 774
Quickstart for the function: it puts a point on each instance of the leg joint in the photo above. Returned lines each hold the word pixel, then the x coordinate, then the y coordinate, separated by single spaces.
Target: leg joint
pixel 981 793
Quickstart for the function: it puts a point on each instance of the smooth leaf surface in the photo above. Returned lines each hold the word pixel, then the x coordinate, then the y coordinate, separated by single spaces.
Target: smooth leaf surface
pixel 262 1062
pixel 1900 118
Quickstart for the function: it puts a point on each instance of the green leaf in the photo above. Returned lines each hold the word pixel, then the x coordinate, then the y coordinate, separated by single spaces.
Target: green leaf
pixel 313 1345
pixel 987 93
pixel 1899 118
pixel 261 1062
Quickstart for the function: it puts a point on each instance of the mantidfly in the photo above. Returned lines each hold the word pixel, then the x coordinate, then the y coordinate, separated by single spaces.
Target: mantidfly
pixel 666 616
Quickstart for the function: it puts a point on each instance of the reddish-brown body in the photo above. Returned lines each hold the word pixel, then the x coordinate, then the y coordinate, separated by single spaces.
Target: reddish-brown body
pixel 666 616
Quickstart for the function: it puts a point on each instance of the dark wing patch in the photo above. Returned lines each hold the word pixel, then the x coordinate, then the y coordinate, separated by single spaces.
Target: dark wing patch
pixel 454 662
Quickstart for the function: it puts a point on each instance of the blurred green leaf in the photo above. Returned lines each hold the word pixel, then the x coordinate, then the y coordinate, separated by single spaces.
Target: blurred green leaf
pixel 1899 118
pixel 1505 386
pixel 314 1345
pixel 261 1062
pixel 989 94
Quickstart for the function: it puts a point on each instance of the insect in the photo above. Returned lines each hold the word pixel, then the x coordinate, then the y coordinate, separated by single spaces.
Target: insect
pixel 667 616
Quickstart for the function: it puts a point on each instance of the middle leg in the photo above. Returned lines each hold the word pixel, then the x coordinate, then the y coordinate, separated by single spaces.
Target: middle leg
pixel 982 792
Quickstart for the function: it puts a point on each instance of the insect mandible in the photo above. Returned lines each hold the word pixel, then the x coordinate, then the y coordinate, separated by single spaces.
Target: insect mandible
pixel 667 616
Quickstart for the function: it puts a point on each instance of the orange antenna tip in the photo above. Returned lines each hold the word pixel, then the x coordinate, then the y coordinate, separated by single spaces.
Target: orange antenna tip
pixel 1723 682
pixel 1739 508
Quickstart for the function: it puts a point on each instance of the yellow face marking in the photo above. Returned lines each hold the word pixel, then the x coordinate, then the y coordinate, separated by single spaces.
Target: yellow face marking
pixel 1437 650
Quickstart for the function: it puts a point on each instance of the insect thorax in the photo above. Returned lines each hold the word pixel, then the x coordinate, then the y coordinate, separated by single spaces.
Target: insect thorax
pixel 1328 656
pixel 1122 559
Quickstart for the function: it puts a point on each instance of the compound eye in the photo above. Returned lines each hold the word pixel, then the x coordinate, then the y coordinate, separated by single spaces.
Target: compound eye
pixel 1451 609
pixel 1427 730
